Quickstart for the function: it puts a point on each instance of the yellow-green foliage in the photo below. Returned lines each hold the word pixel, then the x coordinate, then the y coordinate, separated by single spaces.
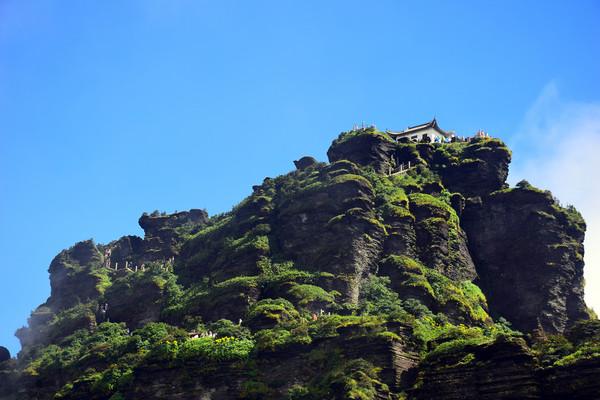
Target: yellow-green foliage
pixel 271 339
pixel 465 295
pixel 455 337
pixel 363 325
pixel 215 224
pixel 344 136
pixel 210 349
pixel 580 342
pixel 553 348
pixel 238 282
pixel 413 272
pixel 437 207
pixel 479 147
pixel 359 380
pixel 102 362
pixel 351 178
pixel 584 352
pixel 570 216
pixel 390 199
pixel 305 330
pixel 102 279
pixel 277 310
pixel 250 241
pixel 105 344
pixel 447 154
pixel 445 338
pixel 377 298
pixel 357 214
pixel 306 294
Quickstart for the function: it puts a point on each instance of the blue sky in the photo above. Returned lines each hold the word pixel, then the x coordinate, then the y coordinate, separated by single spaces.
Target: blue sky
pixel 112 108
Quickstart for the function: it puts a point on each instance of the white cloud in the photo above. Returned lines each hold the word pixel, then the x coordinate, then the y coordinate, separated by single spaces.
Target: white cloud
pixel 558 148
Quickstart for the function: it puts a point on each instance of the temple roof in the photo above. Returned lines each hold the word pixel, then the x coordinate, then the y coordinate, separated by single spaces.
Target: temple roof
pixel 414 129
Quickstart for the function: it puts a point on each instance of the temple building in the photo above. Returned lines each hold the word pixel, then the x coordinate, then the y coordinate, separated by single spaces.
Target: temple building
pixel 416 133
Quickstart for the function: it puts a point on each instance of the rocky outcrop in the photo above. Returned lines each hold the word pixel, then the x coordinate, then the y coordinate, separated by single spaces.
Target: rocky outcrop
pixel 135 300
pixel 8 376
pixel 80 275
pixel 529 256
pixel 339 210
pixel 4 354
pixel 364 147
pixel 305 162
pixel 162 232
pixel 440 241
pixel 73 276
pixel 163 236
pixel 504 369
pixel 353 279
pixel 319 365
pixel 481 169
pixel 578 381
pixel 332 202
pixel 76 276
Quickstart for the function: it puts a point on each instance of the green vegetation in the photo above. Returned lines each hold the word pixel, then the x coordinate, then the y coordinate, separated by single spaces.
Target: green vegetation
pixel 274 310
pixel 223 349
pixel 357 380
pixel 305 294
pixel 452 339
pixel 464 296
pixel 580 343
pixel 345 136
pixel 319 274
pixel 109 355
pixel 437 207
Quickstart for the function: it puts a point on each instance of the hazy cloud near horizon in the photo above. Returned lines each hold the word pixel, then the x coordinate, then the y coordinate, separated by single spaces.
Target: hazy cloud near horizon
pixel 557 147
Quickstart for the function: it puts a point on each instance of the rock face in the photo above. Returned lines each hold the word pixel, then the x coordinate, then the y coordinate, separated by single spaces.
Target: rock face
pixel 529 256
pixel 380 275
pixel 482 169
pixel 506 370
pixel 4 354
pixel 305 162
pixel 503 369
pixel 162 233
pixel 338 208
pixel 80 275
pixel 71 275
pixel 364 148
pixel 577 382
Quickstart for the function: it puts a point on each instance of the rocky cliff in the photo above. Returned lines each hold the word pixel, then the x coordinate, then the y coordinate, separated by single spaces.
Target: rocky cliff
pixel 353 279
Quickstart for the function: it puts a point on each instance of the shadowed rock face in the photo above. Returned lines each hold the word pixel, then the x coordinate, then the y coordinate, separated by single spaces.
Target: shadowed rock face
pixel 162 232
pixel 483 168
pixel 305 162
pixel 79 277
pixel 504 369
pixel 349 281
pixel 4 354
pixel 340 213
pixel 71 280
pixel 76 277
pixel 336 206
pixel 529 257
pixel 366 149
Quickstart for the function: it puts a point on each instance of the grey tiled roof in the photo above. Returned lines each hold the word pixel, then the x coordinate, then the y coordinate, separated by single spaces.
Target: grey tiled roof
pixel 414 129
